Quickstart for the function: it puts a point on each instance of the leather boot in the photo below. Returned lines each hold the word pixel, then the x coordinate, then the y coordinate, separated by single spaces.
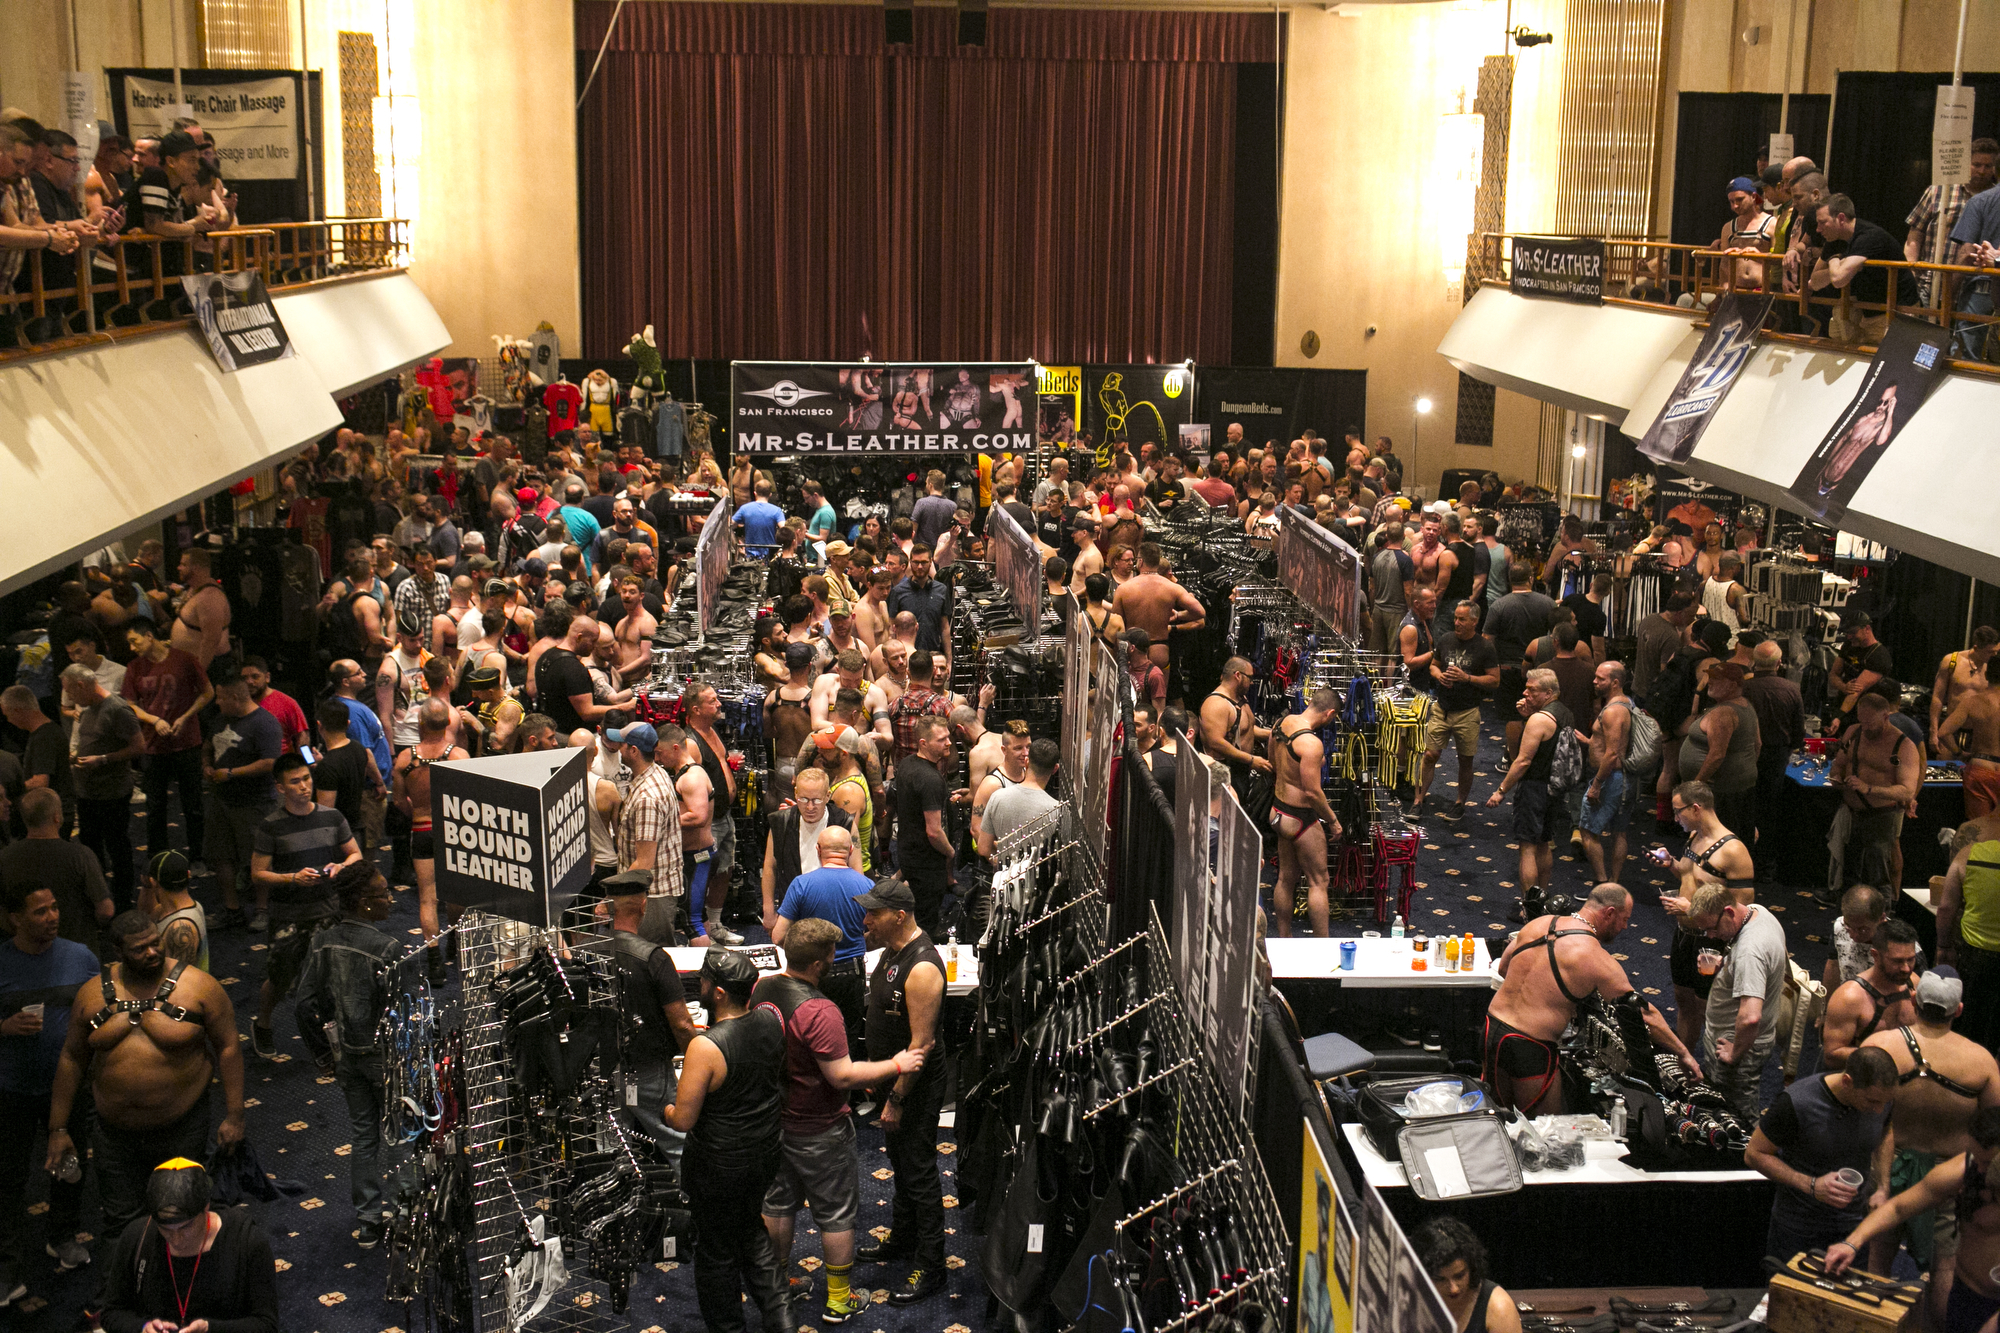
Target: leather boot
pixel 766 1286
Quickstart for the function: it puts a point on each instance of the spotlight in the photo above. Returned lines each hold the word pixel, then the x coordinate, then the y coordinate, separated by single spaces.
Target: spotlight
pixel 1424 406
pixel 1522 37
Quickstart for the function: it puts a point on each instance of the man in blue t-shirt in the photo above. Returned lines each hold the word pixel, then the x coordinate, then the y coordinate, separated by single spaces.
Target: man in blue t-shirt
pixel 821 522
pixel 760 520
pixel 829 893
pixel 39 977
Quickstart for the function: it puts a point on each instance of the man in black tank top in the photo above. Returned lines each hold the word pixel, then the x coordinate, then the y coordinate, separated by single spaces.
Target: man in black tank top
pixel 728 1104
pixel 905 996
pixel 650 999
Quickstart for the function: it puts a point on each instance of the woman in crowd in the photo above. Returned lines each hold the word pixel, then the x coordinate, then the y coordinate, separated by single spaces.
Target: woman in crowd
pixel 183 1266
pixel 1456 1262
pixel 1123 563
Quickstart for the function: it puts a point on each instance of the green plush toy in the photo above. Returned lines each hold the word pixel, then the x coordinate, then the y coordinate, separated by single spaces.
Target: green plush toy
pixel 645 354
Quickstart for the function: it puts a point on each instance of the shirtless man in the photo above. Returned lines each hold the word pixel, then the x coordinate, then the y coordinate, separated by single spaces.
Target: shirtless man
pixel 1877 772
pixel 848 666
pixel 1969 1184
pixel 903 637
pixel 1877 1001
pixel 152 1037
pixel 411 791
pixel 201 628
pixel 682 759
pixel 981 743
pixel 1959 674
pixel 891 665
pixel 1011 771
pixel 1087 559
pixel 1971 730
pixel 788 720
pixel 871 614
pixel 1943 1080
pixel 1155 603
pixel 1714 856
pixel 1433 559
pixel 1548 969
pixel 635 631
pixel 1229 730
pixel 1301 813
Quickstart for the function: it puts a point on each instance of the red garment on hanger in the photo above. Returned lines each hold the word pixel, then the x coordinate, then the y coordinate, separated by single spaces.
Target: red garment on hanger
pixel 563 400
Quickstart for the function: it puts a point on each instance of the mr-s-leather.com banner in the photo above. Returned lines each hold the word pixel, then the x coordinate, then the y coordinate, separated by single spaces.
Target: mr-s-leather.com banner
pixel 1911 362
pixel 255 123
pixel 237 319
pixel 1724 349
pixel 1571 270
pixel 878 408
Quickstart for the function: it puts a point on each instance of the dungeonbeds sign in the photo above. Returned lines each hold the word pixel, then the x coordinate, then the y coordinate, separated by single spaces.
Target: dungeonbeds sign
pixel 872 407
pixel 1570 270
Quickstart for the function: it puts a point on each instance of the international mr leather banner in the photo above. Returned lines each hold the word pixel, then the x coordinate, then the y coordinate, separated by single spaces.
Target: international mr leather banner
pixel 1725 349
pixel 1567 269
pixel 237 319
pixel 865 407
pixel 1911 362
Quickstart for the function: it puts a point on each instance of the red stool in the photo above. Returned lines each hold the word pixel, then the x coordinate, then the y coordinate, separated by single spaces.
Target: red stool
pixel 1395 869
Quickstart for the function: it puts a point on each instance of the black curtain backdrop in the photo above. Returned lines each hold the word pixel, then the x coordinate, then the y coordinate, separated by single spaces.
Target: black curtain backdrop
pixel 1253 331
pixel 1882 138
pixel 1718 138
pixel 774 181
pixel 1328 401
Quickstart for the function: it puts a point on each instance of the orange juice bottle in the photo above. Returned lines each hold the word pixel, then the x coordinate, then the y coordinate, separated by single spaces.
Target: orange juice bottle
pixel 1451 953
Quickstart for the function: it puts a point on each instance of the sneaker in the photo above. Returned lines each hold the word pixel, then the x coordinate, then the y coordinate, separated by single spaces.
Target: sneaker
pixel 264 1041
pixel 260 921
pixel 920 1285
pixel 14 1291
pixel 369 1236
pixel 856 1304
pixel 1452 813
pixel 68 1254
pixel 798 1290
pixel 723 935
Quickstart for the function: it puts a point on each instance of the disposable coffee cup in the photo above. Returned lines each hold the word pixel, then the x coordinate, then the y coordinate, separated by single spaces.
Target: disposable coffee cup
pixel 1849 1177
pixel 35 1009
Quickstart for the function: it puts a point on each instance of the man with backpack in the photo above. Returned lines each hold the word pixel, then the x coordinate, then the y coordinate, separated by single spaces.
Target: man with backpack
pixel 1547 767
pixel 1623 741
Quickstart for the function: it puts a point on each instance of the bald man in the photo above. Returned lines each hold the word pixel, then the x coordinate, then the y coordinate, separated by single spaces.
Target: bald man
pixel 829 893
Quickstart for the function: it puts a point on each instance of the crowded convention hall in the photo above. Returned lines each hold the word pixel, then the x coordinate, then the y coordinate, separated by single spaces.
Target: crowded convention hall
pixel 598 733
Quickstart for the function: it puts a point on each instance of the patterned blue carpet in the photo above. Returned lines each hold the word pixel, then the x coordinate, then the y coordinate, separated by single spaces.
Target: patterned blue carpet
pixel 298 1121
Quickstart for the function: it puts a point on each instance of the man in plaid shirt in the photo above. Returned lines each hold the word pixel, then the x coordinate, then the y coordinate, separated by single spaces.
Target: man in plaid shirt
pixel 920 700
pixel 1927 219
pixel 649 831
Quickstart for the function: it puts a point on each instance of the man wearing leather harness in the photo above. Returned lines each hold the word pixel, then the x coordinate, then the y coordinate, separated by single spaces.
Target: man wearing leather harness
pixel 1301 813
pixel 1943 1080
pixel 1229 730
pixel 201 626
pixel 1547 971
pixel 1877 1000
pixel 1714 856
pixel 1976 717
pixel 1969 1183
pixel 152 1037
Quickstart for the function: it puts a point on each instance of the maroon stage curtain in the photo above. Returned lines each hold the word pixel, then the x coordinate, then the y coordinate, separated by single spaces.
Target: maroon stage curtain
pixel 767 181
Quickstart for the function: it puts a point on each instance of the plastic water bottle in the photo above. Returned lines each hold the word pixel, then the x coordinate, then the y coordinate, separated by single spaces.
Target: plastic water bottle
pixel 1396 934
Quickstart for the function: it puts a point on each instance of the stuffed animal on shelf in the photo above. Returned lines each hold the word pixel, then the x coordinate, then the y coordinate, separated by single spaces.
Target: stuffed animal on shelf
pixel 650 380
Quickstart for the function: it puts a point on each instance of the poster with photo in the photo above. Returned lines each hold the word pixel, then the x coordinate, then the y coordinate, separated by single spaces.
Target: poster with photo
pixel 1687 505
pixel 1724 349
pixel 1375 1289
pixel 1911 362
pixel 1326 1262
pixel 881 408
pixel 1131 405
pixel 1059 394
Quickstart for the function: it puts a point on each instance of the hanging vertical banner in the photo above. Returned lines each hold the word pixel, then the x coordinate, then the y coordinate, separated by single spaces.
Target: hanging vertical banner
pixel 80 118
pixel 1328 1244
pixel 1193 946
pixel 1322 571
pixel 1724 350
pixel 711 563
pixel 237 319
pixel 1059 393
pixel 1017 567
pixel 1951 136
pixel 1910 363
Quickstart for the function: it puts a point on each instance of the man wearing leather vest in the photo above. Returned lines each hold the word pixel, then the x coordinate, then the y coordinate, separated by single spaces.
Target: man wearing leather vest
pixel 655 1010
pixel 793 838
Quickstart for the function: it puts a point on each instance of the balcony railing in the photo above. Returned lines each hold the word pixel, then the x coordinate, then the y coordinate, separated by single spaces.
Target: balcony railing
pixel 133 282
pixel 1645 272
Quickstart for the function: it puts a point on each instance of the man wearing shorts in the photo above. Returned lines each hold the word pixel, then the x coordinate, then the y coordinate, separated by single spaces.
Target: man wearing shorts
pixel 299 848
pixel 1466 669
pixel 820 1168
pixel 1541 818
pixel 1301 813
pixel 411 793
pixel 1606 814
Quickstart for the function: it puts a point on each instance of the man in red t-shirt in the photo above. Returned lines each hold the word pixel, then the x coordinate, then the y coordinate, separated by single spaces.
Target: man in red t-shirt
pixel 167 690
pixel 820 1166
pixel 1149 683
pixel 291 718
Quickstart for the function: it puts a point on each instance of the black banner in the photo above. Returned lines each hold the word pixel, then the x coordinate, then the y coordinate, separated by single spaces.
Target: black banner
pixel 1570 270
pixel 1280 404
pixel 1911 362
pixel 877 408
pixel 1725 349
pixel 237 319
pixel 1134 404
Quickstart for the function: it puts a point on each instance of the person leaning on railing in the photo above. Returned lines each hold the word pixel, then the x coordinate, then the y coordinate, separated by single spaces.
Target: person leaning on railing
pixel 21 226
pixel 164 208
pixel 1850 244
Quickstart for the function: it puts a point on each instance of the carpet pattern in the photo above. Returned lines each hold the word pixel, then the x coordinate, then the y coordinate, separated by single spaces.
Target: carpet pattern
pixel 298 1121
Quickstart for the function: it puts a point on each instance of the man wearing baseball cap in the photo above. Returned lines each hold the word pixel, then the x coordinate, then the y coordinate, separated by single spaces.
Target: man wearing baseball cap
pixel 649 830
pixel 1863 660
pixel 497 712
pixel 839 582
pixel 729 1105
pixel 905 996
pixel 1748 231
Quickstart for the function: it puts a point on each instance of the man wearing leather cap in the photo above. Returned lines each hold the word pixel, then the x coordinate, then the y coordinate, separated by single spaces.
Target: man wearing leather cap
pixel 654 1007
pixel 905 996
pixel 728 1104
